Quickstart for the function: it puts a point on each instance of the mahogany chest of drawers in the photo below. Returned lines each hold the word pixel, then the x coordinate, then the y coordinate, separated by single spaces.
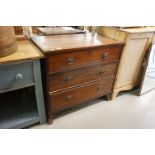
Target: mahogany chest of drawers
pixel 78 68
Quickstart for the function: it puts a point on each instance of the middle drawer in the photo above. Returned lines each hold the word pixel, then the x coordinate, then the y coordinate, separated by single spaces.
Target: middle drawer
pixel 63 80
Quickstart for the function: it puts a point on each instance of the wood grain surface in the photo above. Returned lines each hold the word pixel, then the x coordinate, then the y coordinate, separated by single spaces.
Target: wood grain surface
pixel 59 43
pixel 77 76
pixel 26 51
pixel 86 57
pixel 63 100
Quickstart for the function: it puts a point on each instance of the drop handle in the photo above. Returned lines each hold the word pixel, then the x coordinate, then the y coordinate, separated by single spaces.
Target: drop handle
pixel 19 76
pixel 69 97
pixel 106 55
pixel 70 60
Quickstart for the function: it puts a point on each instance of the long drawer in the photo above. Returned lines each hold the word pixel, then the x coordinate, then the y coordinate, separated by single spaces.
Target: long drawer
pixel 16 76
pixel 75 59
pixel 65 99
pixel 74 77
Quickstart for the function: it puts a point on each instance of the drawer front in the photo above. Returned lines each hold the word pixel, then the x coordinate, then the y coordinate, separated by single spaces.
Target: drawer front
pixel 77 76
pixel 75 59
pixel 16 76
pixel 65 99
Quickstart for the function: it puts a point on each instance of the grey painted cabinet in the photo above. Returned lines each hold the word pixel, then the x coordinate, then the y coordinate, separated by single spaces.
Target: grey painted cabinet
pixel 21 95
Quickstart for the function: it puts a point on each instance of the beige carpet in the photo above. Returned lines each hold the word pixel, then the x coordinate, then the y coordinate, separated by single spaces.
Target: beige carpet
pixel 126 111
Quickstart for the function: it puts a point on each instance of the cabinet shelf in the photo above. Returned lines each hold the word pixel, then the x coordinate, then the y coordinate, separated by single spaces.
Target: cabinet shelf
pixel 18 109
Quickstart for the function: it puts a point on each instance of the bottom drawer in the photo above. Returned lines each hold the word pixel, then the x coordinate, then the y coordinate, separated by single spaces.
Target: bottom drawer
pixel 65 99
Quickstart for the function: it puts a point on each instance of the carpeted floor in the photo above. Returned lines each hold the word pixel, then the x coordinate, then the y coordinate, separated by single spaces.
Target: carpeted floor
pixel 126 111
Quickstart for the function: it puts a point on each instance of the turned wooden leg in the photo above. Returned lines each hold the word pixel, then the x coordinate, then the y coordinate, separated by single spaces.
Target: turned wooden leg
pixel 114 94
pixel 50 119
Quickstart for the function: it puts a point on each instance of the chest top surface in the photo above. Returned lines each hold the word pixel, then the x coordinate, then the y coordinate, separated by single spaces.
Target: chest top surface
pixel 25 51
pixel 49 44
pixel 58 30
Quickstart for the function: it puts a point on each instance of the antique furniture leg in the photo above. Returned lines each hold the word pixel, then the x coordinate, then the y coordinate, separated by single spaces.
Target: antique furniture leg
pixel 50 119
pixel 108 96
pixel 114 95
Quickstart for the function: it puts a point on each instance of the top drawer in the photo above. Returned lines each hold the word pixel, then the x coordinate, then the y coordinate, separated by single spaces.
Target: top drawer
pixel 16 76
pixel 75 59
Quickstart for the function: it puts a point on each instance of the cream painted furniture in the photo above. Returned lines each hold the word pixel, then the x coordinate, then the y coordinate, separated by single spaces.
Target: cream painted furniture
pixel 137 42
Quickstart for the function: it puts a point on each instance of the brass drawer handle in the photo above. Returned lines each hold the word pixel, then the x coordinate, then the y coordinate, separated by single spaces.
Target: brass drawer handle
pixel 69 97
pixel 69 78
pixel 70 60
pixel 19 76
pixel 106 55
